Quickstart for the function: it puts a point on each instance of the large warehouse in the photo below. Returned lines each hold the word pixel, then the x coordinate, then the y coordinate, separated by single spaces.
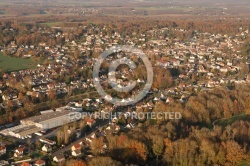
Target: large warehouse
pixel 50 120
pixel 21 131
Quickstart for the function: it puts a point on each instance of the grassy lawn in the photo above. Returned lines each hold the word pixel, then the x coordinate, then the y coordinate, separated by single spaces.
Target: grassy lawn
pixel 225 122
pixel 52 24
pixel 2 12
pixel 244 163
pixel 13 64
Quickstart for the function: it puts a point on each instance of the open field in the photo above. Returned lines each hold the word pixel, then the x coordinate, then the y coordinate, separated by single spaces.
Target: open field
pixel 244 163
pixel 225 122
pixel 12 64
pixel 52 24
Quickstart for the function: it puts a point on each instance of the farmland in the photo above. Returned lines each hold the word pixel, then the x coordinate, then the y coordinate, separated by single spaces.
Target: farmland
pixel 13 64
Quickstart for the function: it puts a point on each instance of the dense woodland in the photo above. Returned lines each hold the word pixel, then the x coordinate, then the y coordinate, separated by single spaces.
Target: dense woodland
pixel 197 139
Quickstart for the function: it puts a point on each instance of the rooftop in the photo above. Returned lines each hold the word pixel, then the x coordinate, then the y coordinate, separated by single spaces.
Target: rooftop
pixel 44 117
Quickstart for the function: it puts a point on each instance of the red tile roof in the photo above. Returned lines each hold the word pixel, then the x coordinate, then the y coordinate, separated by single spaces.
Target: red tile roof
pixel 2 148
pixel 39 162
pixel 77 146
pixel 90 120
pixel 25 164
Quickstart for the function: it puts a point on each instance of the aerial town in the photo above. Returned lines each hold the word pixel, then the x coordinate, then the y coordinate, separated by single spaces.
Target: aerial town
pixel 46 85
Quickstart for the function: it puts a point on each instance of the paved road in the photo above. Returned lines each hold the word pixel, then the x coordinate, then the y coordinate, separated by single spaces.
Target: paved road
pixel 95 127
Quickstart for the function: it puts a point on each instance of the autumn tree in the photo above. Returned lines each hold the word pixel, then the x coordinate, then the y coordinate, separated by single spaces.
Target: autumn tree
pixel 234 153
pixel 103 161
pixel 248 106
pixel 52 94
pixel 76 54
pixel 77 162
pixel 60 137
pixel 158 146
pixel 97 145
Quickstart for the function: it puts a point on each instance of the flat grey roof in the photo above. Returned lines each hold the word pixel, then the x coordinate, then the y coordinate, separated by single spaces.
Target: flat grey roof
pixel 48 116
pixel 24 130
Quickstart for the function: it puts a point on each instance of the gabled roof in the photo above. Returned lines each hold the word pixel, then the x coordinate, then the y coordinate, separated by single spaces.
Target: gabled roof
pixel 25 164
pixel 40 162
pixel 77 152
pixel 46 146
pixel 77 146
pixel 60 156
pixel 2 148
pixel 90 120
pixel 20 149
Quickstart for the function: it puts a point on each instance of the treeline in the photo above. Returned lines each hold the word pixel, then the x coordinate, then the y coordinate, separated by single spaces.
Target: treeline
pixel 28 33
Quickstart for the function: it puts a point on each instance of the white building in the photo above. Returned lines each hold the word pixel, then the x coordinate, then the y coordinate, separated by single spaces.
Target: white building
pixel 50 120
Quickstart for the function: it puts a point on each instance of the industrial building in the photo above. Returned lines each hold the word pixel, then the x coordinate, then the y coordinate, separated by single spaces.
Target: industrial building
pixel 21 131
pixel 38 123
pixel 50 120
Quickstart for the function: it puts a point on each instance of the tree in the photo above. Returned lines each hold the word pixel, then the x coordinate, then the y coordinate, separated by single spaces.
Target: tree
pixel 52 94
pixel 158 145
pixel 245 50
pixel 103 161
pixel 29 145
pixel 66 134
pixel 248 106
pixel 77 162
pixel 20 96
pixel 174 24
pixel 97 145
pixel 76 54
pixel 60 137
pixel 140 149
pixel 38 144
pixel 82 125
pixel 234 153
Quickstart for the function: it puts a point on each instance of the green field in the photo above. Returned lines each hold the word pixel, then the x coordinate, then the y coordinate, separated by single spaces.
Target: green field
pixel 13 64
pixel 2 12
pixel 52 24
pixel 244 163
pixel 225 122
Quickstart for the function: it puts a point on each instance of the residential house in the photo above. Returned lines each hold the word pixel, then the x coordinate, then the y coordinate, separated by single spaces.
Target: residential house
pixel 84 143
pixel 224 69
pixel 114 128
pixel 46 148
pixel 78 104
pixel 76 153
pixel 47 141
pixel 25 164
pixel 108 98
pixel 19 151
pixel 174 62
pixel 59 158
pixel 2 150
pixel 40 163
pixel 169 100
pixel 129 126
pixel 210 84
pixel 90 122
pixel 191 59
pixel 6 97
pixel 76 147
pixel 50 86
